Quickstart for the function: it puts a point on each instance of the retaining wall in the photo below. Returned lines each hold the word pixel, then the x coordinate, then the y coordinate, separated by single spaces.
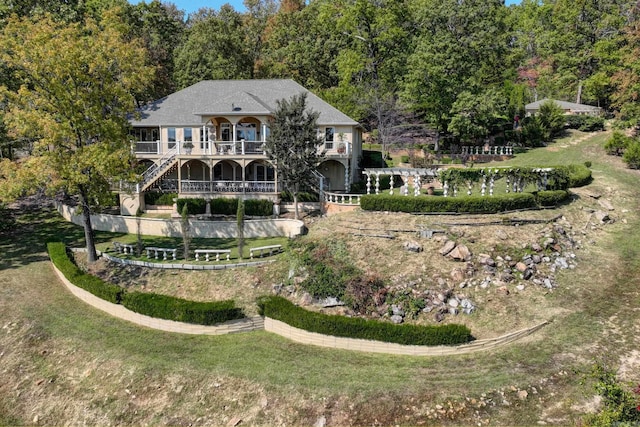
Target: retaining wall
pixel 172 228
pixel 117 310
pixel 306 337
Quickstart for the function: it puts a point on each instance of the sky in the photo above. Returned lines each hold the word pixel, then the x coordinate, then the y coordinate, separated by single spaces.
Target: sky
pixel 190 6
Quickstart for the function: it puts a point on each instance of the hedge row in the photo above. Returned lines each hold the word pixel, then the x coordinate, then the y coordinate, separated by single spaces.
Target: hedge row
pixel 551 197
pixel 226 206
pixel 154 305
pixel 157 198
pixel 470 204
pixel 92 284
pixel 180 310
pixel 281 309
pixel 579 175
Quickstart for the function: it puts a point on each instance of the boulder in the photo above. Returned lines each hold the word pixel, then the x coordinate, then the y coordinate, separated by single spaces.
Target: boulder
pixel 602 216
pixel 606 204
pixel 397 310
pixel 521 267
pixel 485 259
pixel 306 299
pixel 331 302
pixel 397 319
pixel 460 253
pixel 412 246
pixel 457 275
pixel 448 247
pixel 502 235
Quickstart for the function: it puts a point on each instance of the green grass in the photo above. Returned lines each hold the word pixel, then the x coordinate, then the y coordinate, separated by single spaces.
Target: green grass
pixel 106 245
pixel 301 381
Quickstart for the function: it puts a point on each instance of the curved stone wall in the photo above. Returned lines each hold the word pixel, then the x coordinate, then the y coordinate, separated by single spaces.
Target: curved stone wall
pixel 172 228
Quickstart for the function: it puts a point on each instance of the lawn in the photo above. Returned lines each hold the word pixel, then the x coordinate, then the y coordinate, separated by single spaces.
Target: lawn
pixel 66 363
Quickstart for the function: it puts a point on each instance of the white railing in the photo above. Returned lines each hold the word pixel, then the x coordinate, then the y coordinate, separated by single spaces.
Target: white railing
pixel 488 150
pixel 147 147
pixel 342 199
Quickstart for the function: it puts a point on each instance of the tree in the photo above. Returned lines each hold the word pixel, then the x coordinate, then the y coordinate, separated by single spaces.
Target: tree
pixel 75 91
pixel 551 119
pixel 160 26
pixel 293 144
pixel 240 224
pixel 460 47
pixel 214 48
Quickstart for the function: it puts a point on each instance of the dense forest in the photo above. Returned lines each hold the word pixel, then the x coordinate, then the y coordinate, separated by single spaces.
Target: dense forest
pixel 461 68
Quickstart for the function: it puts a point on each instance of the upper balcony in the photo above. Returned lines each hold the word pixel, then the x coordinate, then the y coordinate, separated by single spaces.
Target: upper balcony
pixel 152 149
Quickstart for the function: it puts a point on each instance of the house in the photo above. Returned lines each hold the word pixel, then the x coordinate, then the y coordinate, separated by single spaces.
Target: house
pixel 568 108
pixel 207 140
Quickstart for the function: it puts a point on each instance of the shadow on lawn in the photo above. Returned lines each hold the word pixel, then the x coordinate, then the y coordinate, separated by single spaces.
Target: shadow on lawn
pixel 26 243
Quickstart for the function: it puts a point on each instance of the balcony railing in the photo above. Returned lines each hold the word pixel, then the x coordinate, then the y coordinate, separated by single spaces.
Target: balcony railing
pixel 211 148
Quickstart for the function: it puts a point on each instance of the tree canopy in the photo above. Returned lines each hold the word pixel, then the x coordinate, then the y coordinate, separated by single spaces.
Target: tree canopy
pixel 76 85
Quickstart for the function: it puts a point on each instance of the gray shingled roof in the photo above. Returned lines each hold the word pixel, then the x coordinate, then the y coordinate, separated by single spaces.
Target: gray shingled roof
pixel 563 104
pixel 232 97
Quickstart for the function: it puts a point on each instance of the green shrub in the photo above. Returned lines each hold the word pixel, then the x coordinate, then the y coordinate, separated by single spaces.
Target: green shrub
pixel 551 197
pixel 579 175
pixel 466 204
pixel 617 144
pixel 405 159
pixel 194 206
pixel 157 198
pixel 281 309
pixel 255 207
pixel 584 123
pixel 7 221
pixel 94 285
pixel 328 267
pixel 225 206
pixel 631 155
pixel 180 310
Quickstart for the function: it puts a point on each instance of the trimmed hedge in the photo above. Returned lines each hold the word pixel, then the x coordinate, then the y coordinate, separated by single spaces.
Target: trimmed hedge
pixel 227 206
pixel 579 175
pixel 470 204
pixel 551 197
pixel 194 206
pixel 154 305
pixel 92 284
pixel 157 198
pixel 281 309
pixel 255 207
pixel 181 310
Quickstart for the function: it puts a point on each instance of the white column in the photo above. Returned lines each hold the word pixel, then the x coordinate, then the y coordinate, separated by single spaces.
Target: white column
pixel 378 183
pixel 368 183
pixel 346 179
pixel 391 185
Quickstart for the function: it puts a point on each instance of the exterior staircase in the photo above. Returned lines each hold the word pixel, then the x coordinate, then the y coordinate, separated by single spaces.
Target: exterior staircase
pixel 158 170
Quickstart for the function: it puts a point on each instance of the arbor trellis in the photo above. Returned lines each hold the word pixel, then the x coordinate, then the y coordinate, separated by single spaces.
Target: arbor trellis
pixel 452 179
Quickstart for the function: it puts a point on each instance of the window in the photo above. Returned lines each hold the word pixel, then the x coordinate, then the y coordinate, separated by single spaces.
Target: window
pixel 225 131
pixel 171 137
pixel 246 131
pixel 328 138
pixel 144 134
pixel 188 134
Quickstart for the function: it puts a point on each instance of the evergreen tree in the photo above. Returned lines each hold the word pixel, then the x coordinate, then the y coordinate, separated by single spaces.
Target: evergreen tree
pixel 293 144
